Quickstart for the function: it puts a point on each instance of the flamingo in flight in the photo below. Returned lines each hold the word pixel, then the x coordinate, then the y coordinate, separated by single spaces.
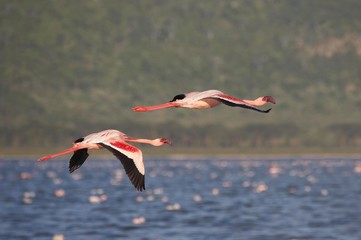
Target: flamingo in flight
pixel 209 99
pixel 116 142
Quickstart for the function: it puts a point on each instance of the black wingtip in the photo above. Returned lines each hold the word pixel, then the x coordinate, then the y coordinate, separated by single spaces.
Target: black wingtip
pixel 78 159
pixel 140 189
pixel 141 186
pixel 268 110
pixel 73 168
pixel 138 180
pixel 135 177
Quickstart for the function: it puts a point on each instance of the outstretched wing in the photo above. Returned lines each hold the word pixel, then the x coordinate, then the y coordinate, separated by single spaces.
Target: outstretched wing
pixel 235 102
pixel 132 160
pixel 78 159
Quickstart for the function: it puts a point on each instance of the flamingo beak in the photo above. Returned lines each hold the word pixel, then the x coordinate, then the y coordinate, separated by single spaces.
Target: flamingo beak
pixel 269 99
pixel 166 140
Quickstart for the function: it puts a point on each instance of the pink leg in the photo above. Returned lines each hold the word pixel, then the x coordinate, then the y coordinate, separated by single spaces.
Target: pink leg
pixel 69 150
pixel 155 107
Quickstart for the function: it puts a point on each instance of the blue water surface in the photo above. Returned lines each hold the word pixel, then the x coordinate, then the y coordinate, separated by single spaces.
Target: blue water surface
pixel 210 198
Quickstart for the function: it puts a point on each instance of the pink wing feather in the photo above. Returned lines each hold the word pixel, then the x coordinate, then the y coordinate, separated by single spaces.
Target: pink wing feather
pixel 132 160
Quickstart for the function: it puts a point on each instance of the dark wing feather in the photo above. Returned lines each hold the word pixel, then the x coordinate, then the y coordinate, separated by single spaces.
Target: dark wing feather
pixel 78 159
pixel 232 104
pixel 137 179
pixel 79 140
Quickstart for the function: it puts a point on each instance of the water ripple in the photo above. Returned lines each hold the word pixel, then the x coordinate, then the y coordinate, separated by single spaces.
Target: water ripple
pixel 185 199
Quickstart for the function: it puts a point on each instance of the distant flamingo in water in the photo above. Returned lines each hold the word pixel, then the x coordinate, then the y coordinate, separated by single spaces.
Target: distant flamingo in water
pixel 114 141
pixel 209 99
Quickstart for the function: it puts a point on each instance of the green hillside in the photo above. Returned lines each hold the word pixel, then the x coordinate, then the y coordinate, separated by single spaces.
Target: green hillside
pixel 69 68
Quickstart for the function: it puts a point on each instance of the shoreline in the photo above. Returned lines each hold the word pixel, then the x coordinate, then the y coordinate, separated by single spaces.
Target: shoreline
pixel 200 153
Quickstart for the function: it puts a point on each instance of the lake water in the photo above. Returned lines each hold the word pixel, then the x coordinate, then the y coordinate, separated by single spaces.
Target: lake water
pixel 248 198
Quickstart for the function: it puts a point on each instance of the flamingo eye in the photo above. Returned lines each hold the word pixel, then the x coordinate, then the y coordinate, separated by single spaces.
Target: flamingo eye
pixel 178 97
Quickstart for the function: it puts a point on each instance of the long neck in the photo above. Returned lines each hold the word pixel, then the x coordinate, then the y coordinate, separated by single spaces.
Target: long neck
pixel 257 102
pixel 153 142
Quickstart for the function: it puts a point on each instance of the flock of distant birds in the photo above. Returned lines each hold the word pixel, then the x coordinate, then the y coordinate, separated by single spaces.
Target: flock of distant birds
pixel 130 156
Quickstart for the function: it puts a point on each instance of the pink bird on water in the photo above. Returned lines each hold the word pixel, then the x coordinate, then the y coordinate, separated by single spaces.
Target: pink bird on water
pixel 209 99
pixel 116 142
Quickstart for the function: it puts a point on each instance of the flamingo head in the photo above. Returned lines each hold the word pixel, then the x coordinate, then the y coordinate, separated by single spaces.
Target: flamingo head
pixel 269 99
pixel 161 141
pixel 178 97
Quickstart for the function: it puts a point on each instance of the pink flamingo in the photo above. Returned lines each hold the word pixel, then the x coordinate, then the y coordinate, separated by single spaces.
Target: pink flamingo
pixel 114 141
pixel 209 99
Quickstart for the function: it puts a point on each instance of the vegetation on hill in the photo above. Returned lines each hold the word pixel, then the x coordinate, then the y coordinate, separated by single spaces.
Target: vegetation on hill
pixel 69 68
